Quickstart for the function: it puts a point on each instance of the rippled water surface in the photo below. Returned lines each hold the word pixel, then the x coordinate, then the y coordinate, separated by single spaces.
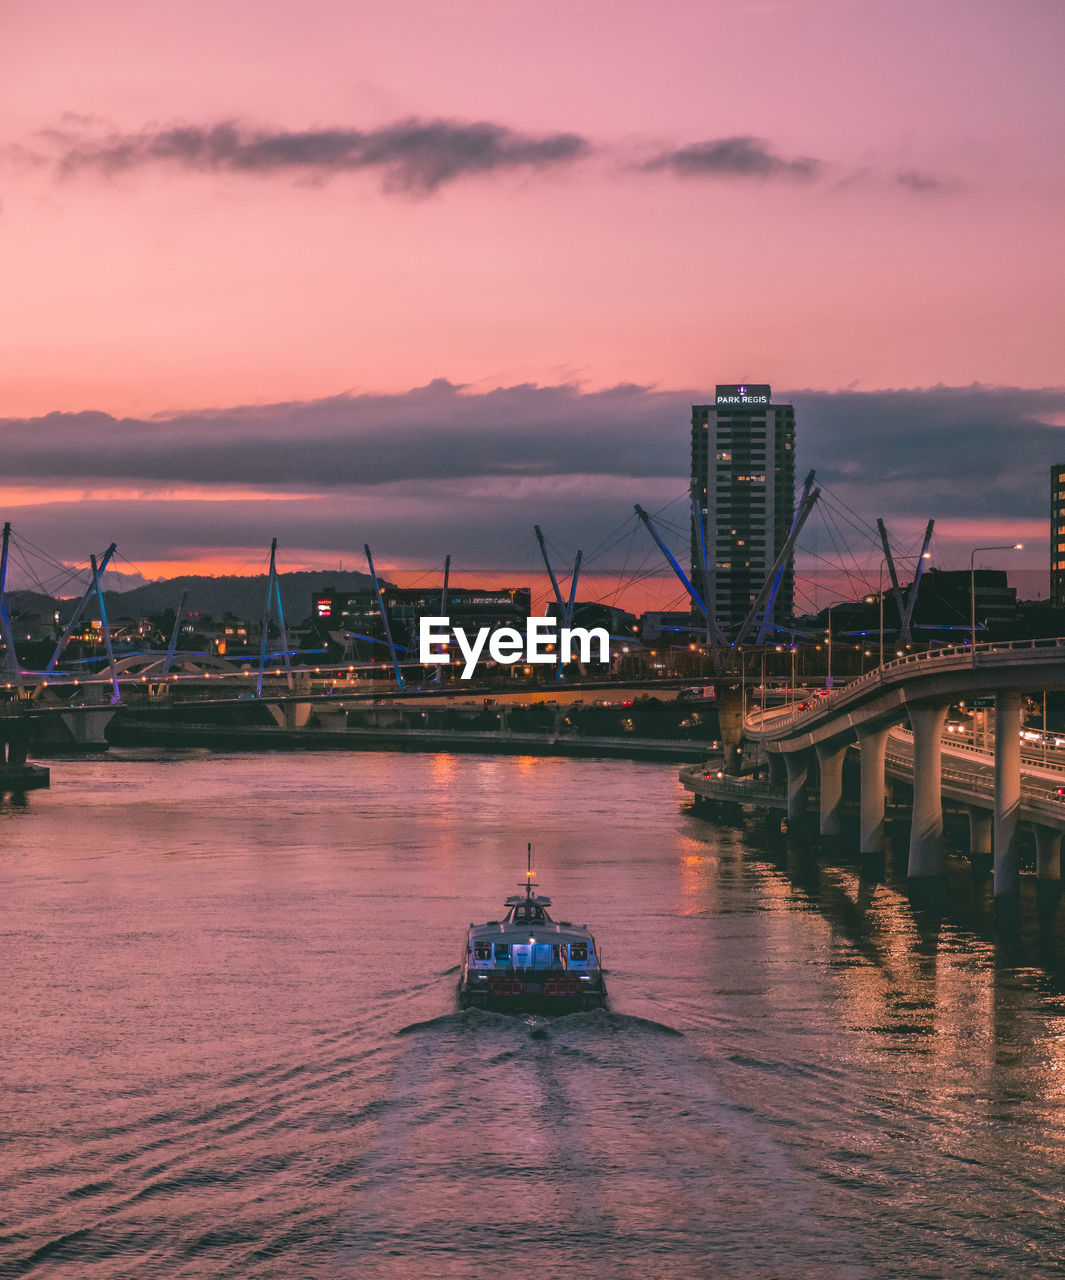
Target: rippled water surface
pixel 231 1048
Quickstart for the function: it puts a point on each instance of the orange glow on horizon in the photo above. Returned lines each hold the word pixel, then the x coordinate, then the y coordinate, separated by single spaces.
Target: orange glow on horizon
pixel 30 495
pixel 659 592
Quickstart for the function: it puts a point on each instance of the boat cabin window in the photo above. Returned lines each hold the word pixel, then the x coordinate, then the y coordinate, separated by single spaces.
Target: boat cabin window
pixel 528 913
pixel 503 951
pixel 482 951
pixel 578 951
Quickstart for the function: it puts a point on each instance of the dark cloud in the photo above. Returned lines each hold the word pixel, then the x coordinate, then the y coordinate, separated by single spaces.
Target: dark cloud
pixel 924 183
pixel 436 433
pixel 440 467
pixel 972 453
pixel 484 531
pixel 938 440
pixel 413 156
pixel 739 157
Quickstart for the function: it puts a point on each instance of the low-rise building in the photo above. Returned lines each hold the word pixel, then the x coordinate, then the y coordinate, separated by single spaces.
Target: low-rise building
pixel 351 623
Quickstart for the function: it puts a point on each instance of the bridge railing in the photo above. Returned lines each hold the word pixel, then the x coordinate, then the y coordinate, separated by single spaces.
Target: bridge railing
pixel 1040 796
pixel 987 654
pixel 698 779
pixel 1033 758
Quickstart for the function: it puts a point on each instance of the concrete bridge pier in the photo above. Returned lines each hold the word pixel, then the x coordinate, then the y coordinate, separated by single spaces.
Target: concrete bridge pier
pixel 1007 794
pixel 14 741
pixel 1047 869
pixel 830 757
pixel 980 827
pixel 729 704
pixel 290 715
pixel 872 744
pixel 979 830
pixel 80 728
pixel 927 855
pixel 798 766
pixel 778 770
pixel 1047 853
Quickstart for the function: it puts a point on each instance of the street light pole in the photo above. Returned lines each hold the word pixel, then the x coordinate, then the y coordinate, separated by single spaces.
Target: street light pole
pixel 880 597
pixel 880 594
pixel 828 675
pixel 1013 546
pixel 763 682
pixel 927 555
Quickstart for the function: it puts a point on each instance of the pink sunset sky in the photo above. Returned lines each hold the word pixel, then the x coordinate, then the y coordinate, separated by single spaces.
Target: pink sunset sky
pixel 423 275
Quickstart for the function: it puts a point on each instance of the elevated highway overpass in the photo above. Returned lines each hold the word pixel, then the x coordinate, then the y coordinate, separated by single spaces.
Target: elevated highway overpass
pixel 915 692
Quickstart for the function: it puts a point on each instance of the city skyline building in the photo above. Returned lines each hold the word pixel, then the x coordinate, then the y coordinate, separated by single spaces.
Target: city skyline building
pixel 1057 535
pixel 743 486
pixel 351 620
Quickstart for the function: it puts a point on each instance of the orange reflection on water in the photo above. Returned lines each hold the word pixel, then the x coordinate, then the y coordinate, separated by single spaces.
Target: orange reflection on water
pixel 698 874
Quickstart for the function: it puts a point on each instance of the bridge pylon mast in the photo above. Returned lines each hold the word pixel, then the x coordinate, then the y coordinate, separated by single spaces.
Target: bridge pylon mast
pixel 573 587
pixel 763 602
pixel 82 604
pixel 714 634
pixel 273 600
pixel 384 618
pixel 443 589
pixel 116 695
pixel 685 581
pixel 175 633
pixel 10 663
pixel 565 608
pixel 911 600
pixel 889 560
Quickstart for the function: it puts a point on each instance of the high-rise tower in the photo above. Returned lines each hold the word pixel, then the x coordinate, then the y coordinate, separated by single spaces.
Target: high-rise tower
pixel 1057 536
pixel 743 480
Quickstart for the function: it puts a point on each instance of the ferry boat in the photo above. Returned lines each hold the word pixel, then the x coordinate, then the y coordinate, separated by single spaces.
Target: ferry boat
pixel 528 962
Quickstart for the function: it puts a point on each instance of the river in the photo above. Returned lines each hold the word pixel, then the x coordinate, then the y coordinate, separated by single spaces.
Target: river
pixel 231 1046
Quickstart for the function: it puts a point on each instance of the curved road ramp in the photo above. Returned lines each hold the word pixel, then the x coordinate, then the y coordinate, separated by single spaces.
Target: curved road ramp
pixel 895 718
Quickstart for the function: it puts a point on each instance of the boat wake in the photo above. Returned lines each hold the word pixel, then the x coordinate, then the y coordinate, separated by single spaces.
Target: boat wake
pixel 570 1111
pixel 610 1021
pixel 464 1020
pixel 603 1022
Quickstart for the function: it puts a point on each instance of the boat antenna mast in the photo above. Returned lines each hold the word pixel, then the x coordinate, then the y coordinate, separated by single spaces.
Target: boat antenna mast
pixel 530 883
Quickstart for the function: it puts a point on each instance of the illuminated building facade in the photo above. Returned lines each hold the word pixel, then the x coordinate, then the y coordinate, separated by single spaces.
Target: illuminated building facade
pixel 356 618
pixel 1057 536
pixel 743 475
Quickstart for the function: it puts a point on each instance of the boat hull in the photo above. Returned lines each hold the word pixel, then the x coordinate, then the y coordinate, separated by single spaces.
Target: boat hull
pixel 540 995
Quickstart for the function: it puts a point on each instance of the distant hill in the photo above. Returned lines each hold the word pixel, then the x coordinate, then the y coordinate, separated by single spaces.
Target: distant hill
pixel 30 603
pixel 242 596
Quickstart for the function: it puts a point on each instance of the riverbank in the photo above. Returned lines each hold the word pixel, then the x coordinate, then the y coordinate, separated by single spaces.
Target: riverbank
pixel 23 777
pixel 130 732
